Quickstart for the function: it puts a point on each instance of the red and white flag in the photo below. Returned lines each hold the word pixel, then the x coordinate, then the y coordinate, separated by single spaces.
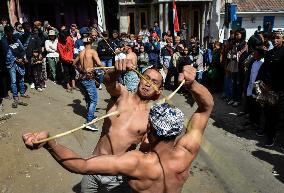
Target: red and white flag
pixel 175 16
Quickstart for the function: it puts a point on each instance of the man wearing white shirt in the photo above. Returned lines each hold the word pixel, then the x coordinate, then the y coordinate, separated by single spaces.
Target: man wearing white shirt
pixel 52 56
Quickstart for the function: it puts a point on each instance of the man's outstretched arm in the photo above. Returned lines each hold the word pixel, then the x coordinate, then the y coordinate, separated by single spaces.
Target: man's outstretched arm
pixel 110 79
pixel 197 124
pixel 108 164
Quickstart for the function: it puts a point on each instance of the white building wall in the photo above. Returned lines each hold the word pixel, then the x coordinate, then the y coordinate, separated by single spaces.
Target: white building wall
pixel 251 26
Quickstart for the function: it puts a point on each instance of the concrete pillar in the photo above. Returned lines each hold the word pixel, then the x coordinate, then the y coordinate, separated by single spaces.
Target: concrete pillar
pixel 161 17
pixel 123 19
pixel 202 25
pixel 101 15
pixel 152 14
pixel 215 19
pixel 166 18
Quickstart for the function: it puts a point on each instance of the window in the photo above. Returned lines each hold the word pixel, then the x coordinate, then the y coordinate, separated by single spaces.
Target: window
pixel 268 23
pixel 237 24
pixel 143 18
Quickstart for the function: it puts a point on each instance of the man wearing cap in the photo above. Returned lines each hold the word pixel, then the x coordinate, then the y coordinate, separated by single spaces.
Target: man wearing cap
pixel 79 44
pixel 271 73
pixel 52 55
pixel 88 60
pixel 164 168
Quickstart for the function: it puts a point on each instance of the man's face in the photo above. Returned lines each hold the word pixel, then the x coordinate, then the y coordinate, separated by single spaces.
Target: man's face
pixel 145 90
pixel 277 41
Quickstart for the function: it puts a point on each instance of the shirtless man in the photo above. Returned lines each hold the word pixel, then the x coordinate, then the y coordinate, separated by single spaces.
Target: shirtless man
pixel 88 60
pixel 129 79
pixel 123 132
pixel 164 169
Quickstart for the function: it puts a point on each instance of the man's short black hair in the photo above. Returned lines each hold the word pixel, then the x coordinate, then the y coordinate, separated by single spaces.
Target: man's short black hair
pixel 157 70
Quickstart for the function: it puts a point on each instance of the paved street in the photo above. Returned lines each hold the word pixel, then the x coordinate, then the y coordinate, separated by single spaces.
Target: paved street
pixel 230 160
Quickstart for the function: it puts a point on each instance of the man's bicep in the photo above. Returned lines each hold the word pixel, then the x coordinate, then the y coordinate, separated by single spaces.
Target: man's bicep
pixel 115 89
pixel 194 133
pixel 113 164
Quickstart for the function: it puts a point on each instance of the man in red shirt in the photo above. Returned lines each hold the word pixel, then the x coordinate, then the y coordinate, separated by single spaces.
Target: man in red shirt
pixel 65 49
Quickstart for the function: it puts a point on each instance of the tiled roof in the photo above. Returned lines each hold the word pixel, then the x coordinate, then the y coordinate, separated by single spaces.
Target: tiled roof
pixel 259 5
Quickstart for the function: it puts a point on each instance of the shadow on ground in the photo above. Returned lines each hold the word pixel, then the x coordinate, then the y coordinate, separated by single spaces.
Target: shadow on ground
pixel 276 160
pixel 77 188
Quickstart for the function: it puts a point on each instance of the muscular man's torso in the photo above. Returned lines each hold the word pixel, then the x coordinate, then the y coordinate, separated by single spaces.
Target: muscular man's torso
pixel 123 132
pixel 169 171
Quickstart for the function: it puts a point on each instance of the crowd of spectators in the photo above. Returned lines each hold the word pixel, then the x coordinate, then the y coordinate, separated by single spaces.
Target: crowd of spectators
pixel 247 73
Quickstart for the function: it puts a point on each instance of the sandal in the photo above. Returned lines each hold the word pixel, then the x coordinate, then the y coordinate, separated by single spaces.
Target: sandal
pixel 22 103
pixel 15 104
pixel 25 96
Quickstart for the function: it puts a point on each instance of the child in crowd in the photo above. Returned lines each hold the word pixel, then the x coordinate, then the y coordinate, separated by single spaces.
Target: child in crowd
pixel 36 63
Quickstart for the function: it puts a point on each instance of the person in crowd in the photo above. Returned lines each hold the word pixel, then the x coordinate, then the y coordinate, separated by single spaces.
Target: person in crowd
pixel 166 60
pixel 79 45
pixel 156 28
pixel 143 59
pixel 144 32
pixel 271 74
pixel 184 32
pixel 4 21
pixel 15 62
pixel 163 40
pixel 177 42
pixel 65 47
pixel 115 41
pixel 52 55
pixel 36 65
pixel 153 50
pixel 226 59
pixel 74 32
pixel 106 53
pixel 129 79
pixel 88 59
pixel 238 73
pixel 95 39
pixel 31 41
pixel 183 60
pixel 197 62
pixel 18 30
pixel 253 108
pixel 218 77
pixel 172 72
pixel 105 50
pixel 139 40
pixel 152 171
pixel 4 73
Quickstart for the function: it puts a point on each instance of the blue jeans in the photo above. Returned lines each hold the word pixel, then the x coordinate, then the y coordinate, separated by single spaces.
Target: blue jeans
pixel 91 98
pixel 199 76
pixel 13 76
pixel 106 63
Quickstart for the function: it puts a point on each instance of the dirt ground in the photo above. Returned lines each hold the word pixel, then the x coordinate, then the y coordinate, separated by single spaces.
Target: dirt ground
pixel 55 110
